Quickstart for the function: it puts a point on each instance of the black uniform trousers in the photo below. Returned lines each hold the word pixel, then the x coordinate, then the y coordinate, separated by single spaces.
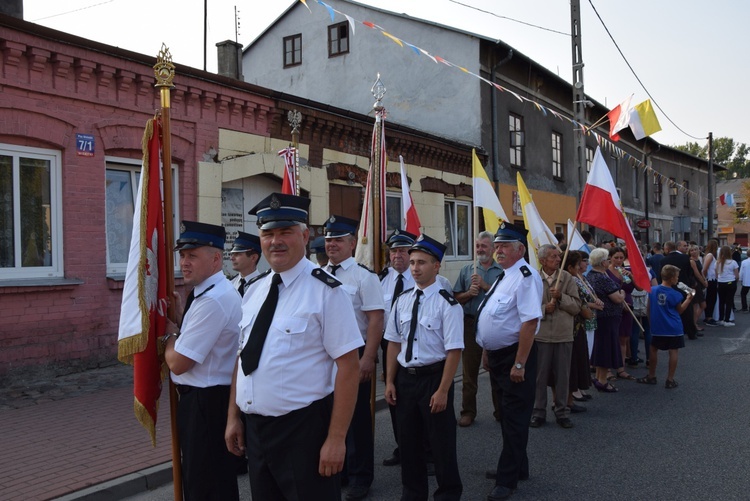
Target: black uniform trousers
pixel 283 454
pixel 516 406
pixel 209 470
pixel 359 467
pixel 414 388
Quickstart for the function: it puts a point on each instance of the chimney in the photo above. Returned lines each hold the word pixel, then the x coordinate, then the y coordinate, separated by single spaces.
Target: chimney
pixel 12 8
pixel 230 59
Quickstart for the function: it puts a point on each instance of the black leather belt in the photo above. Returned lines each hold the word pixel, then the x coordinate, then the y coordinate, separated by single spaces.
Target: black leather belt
pixel 426 369
pixel 184 389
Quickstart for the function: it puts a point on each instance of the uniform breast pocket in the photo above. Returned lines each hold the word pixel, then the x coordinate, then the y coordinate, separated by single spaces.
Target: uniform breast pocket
pixel 503 304
pixel 245 327
pixel 403 328
pixel 288 332
pixel 349 289
pixel 430 323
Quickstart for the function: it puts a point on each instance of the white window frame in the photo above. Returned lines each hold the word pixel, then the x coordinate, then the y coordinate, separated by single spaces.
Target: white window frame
pixel 134 167
pixel 395 196
pixel 57 268
pixel 557 155
pixel 451 253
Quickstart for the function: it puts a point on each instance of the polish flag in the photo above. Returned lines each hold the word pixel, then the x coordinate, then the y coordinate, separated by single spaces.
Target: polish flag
pixel 601 207
pixel 412 224
pixel 289 183
pixel 619 118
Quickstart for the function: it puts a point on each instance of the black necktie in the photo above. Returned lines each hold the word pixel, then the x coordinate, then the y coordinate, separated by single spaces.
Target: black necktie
pixel 399 286
pixel 413 326
pixel 334 267
pixel 489 293
pixel 241 289
pixel 250 355
pixel 188 302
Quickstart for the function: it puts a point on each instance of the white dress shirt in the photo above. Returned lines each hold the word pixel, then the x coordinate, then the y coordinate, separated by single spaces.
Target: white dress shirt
pixel 440 328
pixel 363 288
pixel 209 333
pixel 313 325
pixel 515 299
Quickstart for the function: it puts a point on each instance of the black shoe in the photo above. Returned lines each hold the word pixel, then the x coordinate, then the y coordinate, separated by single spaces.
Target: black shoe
pixel 575 408
pixel 500 492
pixel 357 492
pixel 565 422
pixel 492 475
pixel 392 460
pixel 537 422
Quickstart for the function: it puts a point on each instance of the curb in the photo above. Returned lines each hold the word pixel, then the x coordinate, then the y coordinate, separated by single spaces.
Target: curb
pixel 125 486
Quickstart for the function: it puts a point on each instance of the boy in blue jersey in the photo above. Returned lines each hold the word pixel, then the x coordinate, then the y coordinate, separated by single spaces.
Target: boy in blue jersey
pixel 666 304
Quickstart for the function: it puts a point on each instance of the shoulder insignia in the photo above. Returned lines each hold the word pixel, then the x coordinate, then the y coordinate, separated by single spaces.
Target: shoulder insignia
pixel 365 267
pixel 402 293
pixel 525 271
pixel 324 277
pixel 448 297
pixel 256 278
pixel 383 273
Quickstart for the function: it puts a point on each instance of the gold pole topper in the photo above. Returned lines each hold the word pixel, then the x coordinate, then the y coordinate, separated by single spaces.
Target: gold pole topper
pixel 164 69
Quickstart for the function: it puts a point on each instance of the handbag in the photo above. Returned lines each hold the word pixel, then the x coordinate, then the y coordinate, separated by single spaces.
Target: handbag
pixel 587 313
pixel 640 302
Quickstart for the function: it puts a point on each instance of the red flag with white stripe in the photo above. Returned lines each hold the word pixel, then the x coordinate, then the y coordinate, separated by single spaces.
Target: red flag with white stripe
pixel 144 295
pixel 601 207
pixel 289 183
pixel 411 218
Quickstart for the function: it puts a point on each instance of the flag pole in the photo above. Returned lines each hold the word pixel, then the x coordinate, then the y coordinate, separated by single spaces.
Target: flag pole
pixel 164 73
pixel 565 256
pixel 378 91
pixel 295 118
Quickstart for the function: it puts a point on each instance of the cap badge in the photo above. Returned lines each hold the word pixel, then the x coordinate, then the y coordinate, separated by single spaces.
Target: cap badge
pixel 502 226
pixel 332 219
pixel 275 204
pixel 182 227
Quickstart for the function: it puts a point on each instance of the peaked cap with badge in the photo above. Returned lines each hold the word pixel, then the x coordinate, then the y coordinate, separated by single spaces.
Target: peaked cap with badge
pixel 430 246
pixel 400 238
pixel 339 226
pixel 194 234
pixel 279 210
pixel 246 242
pixel 508 232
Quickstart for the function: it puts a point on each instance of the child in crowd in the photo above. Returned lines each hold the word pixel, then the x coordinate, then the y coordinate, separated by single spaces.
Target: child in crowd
pixel 666 305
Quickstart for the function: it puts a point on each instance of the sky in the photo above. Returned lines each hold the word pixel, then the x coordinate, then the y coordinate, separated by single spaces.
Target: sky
pixel 686 53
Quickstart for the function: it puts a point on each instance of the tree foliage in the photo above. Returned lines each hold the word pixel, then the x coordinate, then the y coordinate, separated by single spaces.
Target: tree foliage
pixel 731 155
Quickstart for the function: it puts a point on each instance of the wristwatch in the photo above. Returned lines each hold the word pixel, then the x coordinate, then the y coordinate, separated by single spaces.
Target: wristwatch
pixel 518 366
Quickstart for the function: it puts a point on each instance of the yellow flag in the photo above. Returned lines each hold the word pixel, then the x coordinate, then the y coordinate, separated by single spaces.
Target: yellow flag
pixel 485 196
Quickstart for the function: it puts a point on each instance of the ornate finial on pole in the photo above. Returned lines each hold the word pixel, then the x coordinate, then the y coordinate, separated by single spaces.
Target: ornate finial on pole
pixel 378 91
pixel 295 119
pixel 164 69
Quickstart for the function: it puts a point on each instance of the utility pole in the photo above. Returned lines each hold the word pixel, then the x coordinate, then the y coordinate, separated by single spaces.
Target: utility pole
pixel 710 212
pixel 579 97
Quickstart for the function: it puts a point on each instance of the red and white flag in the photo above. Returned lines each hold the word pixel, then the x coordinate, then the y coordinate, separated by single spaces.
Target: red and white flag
pixel 411 219
pixel 144 295
pixel 619 118
pixel 289 183
pixel 601 207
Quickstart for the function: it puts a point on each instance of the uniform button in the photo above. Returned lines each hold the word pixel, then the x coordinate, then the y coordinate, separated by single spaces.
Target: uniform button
pixel 249 402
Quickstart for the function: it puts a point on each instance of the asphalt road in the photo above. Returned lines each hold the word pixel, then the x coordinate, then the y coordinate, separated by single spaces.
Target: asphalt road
pixel 643 443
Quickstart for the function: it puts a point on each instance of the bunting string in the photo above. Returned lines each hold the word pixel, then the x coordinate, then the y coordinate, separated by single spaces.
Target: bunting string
pixel 603 141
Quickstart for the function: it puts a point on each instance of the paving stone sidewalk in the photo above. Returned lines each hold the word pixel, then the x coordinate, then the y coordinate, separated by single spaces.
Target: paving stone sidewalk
pixel 67 433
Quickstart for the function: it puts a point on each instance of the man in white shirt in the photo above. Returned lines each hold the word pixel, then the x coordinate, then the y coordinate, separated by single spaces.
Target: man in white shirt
pixel 364 290
pixel 507 322
pixel 425 334
pixel 297 324
pixel 200 355
pixel 245 255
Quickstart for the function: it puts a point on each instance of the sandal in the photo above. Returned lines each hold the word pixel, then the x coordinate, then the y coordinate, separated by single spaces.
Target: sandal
pixel 606 388
pixel 646 380
pixel 611 377
pixel 671 383
pixel 624 375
